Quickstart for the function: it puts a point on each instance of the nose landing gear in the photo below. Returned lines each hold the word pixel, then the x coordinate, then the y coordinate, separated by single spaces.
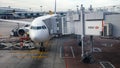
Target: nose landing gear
pixel 42 48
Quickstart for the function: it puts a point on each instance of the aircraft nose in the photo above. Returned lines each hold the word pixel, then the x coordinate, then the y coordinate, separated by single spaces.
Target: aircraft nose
pixel 39 36
pixel 35 38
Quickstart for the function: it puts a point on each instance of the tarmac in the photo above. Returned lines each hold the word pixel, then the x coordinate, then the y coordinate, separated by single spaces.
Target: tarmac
pixel 62 52
pixel 32 58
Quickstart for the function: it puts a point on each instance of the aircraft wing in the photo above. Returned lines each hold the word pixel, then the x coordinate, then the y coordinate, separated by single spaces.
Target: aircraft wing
pixel 15 21
pixel 24 22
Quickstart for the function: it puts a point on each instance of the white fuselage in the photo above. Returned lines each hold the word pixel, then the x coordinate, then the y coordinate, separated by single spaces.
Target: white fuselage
pixel 38 31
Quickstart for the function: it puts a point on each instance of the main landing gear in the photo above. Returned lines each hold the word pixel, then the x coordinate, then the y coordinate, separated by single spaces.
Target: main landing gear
pixel 42 48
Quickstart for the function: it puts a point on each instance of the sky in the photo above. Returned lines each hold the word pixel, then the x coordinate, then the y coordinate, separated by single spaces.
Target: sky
pixel 61 4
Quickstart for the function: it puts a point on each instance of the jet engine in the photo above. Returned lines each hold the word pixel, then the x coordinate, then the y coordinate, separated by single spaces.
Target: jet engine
pixel 21 32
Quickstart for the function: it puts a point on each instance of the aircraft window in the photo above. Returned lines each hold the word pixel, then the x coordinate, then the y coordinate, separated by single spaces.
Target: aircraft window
pixel 38 27
pixel 33 27
pixel 43 27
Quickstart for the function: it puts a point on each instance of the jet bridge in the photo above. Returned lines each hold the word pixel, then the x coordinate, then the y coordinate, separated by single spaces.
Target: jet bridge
pixel 54 25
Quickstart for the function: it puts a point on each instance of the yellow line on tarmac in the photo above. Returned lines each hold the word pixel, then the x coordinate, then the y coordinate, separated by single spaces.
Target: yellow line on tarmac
pixel 39 57
pixel 37 52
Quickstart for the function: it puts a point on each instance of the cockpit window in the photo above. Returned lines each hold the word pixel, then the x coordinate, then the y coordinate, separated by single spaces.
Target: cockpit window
pixel 38 27
pixel 43 27
pixel 32 27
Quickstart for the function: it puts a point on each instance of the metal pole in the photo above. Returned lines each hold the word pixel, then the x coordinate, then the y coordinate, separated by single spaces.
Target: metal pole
pixel 55 7
pixel 18 25
pixel 41 8
pixel 82 29
pixel 78 10
pixel 91 41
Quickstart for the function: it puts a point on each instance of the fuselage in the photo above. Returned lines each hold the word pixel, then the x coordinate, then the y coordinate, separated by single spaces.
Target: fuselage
pixel 38 31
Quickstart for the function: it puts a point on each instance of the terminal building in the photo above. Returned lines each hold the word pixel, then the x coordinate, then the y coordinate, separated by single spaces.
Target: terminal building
pixel 13 13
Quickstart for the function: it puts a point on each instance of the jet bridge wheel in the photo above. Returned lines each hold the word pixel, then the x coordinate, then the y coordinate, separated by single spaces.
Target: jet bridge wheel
pixel 87 59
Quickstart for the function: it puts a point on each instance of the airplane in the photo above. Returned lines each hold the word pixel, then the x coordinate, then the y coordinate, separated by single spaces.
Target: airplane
pixel 38 31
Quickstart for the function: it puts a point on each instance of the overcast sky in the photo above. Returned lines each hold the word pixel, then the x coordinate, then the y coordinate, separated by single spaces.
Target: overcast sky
pixel 61 4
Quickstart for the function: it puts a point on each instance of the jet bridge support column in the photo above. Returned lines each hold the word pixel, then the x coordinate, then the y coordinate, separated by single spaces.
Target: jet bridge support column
pixel 82 30
pixel 86 56
pixel 91 42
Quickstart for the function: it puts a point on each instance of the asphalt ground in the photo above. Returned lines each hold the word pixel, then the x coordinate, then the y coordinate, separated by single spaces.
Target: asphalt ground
pixel 33 58
pixel 62 52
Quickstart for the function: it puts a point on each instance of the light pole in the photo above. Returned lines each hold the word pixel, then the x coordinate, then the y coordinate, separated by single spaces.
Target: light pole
pixel 78 9
pixel 41 8
pixel 114 8
pixel 118 9
pixel 55 7
pixel 30 9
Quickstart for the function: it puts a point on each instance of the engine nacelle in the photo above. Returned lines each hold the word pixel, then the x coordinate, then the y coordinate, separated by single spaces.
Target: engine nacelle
pixel 21 32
